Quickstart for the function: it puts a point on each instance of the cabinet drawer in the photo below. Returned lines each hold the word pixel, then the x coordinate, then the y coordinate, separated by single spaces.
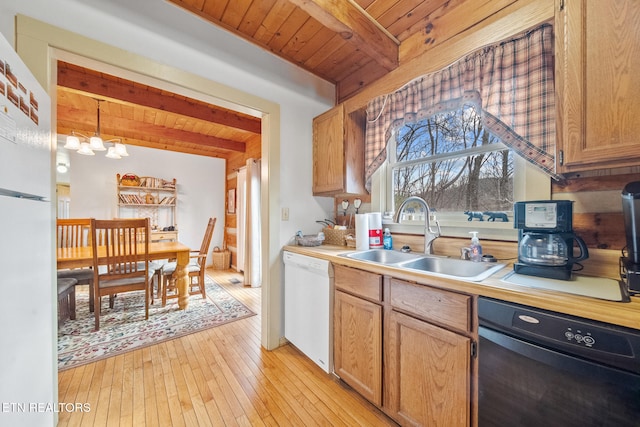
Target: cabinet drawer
pixel 443 307
pixel 357 282
pixel 164 235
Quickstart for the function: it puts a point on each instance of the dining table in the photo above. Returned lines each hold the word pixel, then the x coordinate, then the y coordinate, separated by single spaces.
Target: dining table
pixel 82 256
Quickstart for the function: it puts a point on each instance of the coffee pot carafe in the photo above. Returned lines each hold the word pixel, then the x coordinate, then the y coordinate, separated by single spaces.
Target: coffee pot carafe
pixel 550 249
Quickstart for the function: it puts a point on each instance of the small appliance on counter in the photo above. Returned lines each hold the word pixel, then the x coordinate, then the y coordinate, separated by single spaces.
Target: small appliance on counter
pixel 546 239
pixel 630 261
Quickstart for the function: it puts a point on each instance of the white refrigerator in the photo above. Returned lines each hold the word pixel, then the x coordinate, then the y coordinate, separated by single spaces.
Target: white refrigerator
pixel 27 287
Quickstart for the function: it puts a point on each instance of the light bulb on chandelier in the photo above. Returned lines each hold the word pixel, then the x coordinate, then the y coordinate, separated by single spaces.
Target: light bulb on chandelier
pixel 85 149
pixel 121 149
pixel 73 142
pixel 88 146
pixel 95 142
pixel 112 153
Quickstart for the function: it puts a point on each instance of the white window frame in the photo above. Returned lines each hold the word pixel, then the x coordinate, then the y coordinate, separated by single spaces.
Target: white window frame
pixel 529 183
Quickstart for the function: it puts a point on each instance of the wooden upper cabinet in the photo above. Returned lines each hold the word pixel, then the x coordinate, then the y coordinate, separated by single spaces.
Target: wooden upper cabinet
pixel 598 84
pixel 338 153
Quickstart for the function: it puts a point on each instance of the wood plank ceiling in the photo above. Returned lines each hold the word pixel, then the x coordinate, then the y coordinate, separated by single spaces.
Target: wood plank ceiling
pixel 350 43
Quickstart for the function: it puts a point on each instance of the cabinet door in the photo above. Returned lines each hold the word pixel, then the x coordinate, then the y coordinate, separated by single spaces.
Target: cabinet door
pixel 357 345
pixel 597 63
pixel 427 373
pixel 328 152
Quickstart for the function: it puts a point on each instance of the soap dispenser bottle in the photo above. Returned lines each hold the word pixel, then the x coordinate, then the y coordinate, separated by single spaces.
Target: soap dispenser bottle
pixel 387 240
pixel 475 250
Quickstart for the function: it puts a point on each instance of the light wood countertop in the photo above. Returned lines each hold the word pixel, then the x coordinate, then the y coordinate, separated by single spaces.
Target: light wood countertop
pixel 617 313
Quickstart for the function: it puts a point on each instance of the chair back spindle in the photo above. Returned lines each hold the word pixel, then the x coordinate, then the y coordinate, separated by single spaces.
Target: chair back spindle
pixel 73 232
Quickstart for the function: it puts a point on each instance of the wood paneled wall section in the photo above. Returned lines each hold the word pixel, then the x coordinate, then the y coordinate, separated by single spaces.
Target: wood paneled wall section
pixel 234 162
pixel 231 224
pixel 597 208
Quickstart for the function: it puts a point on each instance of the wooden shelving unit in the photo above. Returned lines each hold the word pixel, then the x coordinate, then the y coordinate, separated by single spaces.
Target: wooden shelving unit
pixel 151 197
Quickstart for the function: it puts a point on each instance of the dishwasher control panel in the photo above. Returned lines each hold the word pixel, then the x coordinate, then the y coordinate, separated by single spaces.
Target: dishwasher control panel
pixel 589 339
pixel 563 329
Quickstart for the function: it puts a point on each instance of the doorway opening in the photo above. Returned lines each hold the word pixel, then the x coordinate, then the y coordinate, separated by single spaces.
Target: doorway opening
pixel 41 44
pixel 247 221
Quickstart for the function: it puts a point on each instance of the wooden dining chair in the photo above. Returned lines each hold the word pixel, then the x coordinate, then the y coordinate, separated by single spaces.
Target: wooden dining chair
pixel 124 262
pixel 195 269
pixel 75 233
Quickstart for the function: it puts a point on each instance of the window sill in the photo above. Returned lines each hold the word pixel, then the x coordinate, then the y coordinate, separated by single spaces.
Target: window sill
pixel 485 229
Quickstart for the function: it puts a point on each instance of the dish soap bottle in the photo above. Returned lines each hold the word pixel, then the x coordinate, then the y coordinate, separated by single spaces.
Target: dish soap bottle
pixel 475 250
pixel 387 240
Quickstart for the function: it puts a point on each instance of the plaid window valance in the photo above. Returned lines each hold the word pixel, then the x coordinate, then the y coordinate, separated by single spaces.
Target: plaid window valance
pixel 510 82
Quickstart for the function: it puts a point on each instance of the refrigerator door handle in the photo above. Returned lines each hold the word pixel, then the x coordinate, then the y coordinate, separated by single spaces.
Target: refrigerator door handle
pixel 20 195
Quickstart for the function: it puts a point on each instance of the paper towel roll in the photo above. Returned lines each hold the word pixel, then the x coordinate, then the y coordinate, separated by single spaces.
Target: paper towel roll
pixel 375 230
pixel 362 232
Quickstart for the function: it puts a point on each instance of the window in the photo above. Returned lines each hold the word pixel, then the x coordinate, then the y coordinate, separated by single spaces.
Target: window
pixel 451 161
pixel 465 173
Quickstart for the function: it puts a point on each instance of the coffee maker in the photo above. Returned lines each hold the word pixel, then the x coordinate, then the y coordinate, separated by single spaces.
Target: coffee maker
pixel 546 239
pixel 630 260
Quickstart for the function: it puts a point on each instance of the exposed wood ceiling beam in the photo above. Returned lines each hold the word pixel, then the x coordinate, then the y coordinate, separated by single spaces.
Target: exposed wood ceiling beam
pixel 198 150
pixel 93 84
pixel 72 115
pixel 356 27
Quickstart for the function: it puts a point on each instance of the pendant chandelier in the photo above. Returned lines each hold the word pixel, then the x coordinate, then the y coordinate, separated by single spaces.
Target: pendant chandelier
pixel 88 146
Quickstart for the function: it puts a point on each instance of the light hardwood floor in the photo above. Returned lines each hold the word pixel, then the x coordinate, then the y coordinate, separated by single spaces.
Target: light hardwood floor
pixel 217 377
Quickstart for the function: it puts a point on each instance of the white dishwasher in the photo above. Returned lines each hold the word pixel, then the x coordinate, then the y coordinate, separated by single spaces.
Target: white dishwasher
pixel 308 285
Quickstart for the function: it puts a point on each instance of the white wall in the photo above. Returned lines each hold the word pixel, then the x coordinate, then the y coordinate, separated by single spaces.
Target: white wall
pixel 201 188
pixel 160 32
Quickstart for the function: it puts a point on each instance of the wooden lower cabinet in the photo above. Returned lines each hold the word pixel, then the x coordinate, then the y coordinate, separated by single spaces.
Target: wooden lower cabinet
pixel 357 345
pixel 427 373
pixel 405 347
pixel 357 331
pixel 428 336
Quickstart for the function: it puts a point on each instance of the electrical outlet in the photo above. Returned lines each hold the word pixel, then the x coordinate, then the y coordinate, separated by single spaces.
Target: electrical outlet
pixel 285 214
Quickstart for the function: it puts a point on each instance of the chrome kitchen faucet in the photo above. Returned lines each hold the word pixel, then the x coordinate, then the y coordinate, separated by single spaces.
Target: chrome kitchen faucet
pixel 429 234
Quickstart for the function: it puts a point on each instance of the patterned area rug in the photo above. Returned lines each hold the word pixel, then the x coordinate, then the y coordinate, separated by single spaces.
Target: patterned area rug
pixel 124 328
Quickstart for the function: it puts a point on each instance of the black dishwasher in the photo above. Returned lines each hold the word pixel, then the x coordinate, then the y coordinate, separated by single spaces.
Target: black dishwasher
pixel 541 368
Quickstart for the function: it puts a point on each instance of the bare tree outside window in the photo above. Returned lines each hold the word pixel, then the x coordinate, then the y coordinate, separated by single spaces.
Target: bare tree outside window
pixel 451 161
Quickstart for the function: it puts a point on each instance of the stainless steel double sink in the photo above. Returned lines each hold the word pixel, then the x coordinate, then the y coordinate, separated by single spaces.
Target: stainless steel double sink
pixel 431 264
